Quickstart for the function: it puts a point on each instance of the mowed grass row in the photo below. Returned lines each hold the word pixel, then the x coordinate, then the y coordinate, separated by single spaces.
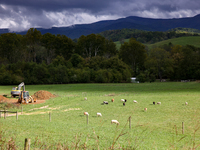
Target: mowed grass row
pixel 158 128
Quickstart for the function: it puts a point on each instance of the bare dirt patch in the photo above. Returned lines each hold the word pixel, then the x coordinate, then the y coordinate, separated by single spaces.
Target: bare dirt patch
pixel 2 98
pixel 7 100
pixel 40 96
pixel 43 95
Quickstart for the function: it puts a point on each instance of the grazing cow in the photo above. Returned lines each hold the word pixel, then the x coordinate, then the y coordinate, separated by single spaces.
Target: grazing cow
pixel 159 103
pixel 154 103
pixel 112 100
pixel 145 109
pixel 123 104
pixel 186 103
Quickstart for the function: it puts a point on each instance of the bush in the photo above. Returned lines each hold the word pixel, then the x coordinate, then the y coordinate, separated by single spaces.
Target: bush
pixel 100 77
pixel 152 78
pixel 76 60
pixel 83 76
pixel 117 76
pixel 141 78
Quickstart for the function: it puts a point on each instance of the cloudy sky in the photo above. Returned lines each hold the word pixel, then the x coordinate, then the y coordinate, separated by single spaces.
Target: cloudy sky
pixel 19 15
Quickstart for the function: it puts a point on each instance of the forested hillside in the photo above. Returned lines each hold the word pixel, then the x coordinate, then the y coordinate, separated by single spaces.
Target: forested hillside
pixel 148 36
pixel 45 59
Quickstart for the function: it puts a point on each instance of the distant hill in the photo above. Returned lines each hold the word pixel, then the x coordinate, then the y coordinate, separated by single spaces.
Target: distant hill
pixel 190 40
pixel 148 36
pixel 4 31
pixel 131 22
pixel 185 30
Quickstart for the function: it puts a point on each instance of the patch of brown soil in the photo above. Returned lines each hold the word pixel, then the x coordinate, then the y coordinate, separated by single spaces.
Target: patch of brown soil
pixel 42 95
pixel 3 99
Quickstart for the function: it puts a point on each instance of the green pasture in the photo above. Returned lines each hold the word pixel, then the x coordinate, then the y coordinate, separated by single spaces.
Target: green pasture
pixel 118 43
pixel 189 40
pixel 160 127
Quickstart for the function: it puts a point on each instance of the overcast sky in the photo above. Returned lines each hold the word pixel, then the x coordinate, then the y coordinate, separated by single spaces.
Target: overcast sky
pixel 19 15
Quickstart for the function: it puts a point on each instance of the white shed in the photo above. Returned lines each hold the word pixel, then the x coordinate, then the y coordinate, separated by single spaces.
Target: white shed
pixel 133 80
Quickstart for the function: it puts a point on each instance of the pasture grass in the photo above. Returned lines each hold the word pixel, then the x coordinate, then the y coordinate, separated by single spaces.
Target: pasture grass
pixel 118 43
pixel 160 127
pixel 189 40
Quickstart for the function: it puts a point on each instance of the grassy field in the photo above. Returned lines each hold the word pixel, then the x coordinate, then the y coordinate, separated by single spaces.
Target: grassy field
pixel 190 40
pixel 118 44
pixel 160 127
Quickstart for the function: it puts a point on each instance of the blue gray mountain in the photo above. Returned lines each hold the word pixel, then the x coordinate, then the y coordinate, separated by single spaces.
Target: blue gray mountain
pixel 131 22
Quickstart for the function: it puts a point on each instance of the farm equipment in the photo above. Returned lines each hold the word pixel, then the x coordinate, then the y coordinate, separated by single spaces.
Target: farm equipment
pixel 17 90
pixel 24 96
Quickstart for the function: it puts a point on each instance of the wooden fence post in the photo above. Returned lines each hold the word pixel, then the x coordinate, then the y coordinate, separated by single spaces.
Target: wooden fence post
pixel 87 119
pixel 17 115
pixel 27 144
pixel 176 129
pixel 4 113
pixel 49 116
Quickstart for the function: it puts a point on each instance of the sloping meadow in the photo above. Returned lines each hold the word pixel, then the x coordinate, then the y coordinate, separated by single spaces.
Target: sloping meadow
pixel 60 121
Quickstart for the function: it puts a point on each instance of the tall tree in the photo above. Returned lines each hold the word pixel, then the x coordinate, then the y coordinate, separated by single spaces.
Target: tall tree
pixel 177 56
pixel 12 47
pixel 190 62
pixel 160 62
pixel 90 45
pixel 33 37
pixel 134 54
pixel 110 49
pixel 48 41
pixel 64 46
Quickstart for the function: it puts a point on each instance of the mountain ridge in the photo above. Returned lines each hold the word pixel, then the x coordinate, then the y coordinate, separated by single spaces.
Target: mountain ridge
pixel 134 22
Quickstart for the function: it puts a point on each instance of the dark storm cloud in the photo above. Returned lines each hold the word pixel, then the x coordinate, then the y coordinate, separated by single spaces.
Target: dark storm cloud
pixel 23 14
pixel 58 5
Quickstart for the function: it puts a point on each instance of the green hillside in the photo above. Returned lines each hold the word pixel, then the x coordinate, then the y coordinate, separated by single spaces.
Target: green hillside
pixel 190 40
pixel 118 43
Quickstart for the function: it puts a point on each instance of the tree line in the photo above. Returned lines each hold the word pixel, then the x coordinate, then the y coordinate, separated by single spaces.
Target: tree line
pixel 48 59
pixel 174 62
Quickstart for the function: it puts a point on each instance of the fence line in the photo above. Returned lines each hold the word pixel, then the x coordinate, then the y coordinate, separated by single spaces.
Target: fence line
pixel 6 113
